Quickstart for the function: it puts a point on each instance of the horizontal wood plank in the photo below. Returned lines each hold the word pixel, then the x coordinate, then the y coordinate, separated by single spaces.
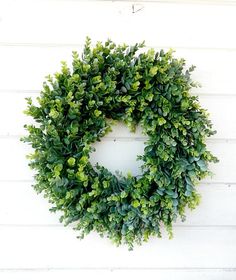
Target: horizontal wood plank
pixel 185 25
pixel 117 274
pixel 28 66
pixel 217 207
pixel 57 247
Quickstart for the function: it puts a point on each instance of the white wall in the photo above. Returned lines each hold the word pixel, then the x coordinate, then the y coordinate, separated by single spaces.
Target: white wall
pixel 34 37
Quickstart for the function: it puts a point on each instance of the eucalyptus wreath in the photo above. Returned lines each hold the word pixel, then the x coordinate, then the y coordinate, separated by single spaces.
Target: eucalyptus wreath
pixel 77 107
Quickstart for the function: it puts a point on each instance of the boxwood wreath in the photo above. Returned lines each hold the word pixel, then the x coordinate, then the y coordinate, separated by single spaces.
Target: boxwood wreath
pixel 78 106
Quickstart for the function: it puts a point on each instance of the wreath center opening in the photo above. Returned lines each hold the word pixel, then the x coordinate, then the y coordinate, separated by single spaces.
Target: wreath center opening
pixel 118 150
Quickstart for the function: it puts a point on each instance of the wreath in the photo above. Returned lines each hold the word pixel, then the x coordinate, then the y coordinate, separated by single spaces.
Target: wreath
pixel 78 106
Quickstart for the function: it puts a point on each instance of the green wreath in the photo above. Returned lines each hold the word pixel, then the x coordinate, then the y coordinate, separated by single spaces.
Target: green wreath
pixel 76 108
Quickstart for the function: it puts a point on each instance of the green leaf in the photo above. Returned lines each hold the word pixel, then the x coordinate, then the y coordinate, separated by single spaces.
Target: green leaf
pixel 149 97
pixel 184 105
pixel 53 114
pixel 135 203
pixel 123 194
pixel 97 113
pixel 153 71
pixel 172 194
pixel 105 184
pixel 123 89
pixel 202 165
pixel 161 121
pixel 188 193
pixel 135 86
pixel 71 161
pixel 189 187
pixel 175 202
pixel 57 169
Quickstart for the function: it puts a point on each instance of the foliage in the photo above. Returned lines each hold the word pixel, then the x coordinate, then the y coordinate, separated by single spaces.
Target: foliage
pixel 76 108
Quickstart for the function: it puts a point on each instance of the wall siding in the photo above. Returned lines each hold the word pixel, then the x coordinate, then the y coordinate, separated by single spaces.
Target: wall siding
pixel 34 37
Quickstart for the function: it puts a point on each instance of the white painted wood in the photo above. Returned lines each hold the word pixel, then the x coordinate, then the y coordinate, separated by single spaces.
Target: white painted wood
pixel 165 24
pixel 34 37
pixel 29 66
pixel 117 274
pixel 14 164
pixel 217 206
pixel 55 247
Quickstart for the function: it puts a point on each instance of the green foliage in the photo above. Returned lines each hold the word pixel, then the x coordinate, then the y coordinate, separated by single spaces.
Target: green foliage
pixel 75 109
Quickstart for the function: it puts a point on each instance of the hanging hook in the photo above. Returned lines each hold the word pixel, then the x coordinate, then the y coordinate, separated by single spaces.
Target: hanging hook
pixel 137 9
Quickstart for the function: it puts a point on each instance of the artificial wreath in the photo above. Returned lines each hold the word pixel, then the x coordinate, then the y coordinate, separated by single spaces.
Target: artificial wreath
pixel 76 108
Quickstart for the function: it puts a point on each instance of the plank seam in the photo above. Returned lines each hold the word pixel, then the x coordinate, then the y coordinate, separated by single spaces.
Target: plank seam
pixel 194 269
pixel 37 91
pixel 227 185
pixel 208 183
pixel 60 226
pixel 125 139
pixel 207 2
pixel 78 45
